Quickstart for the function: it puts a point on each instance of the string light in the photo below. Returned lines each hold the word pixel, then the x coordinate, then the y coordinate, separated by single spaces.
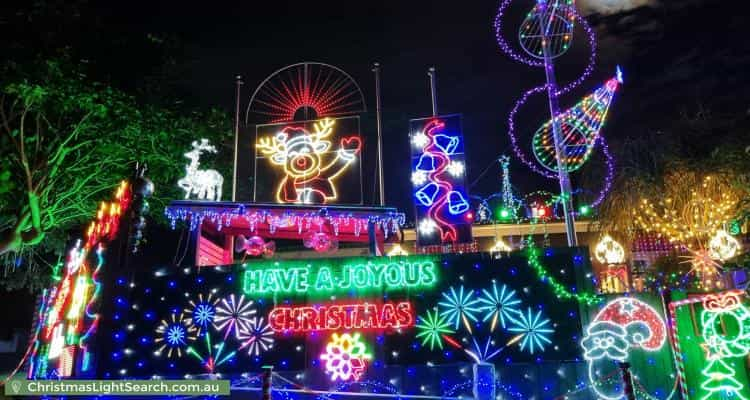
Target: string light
pixel 573 18
pixel 560 290
pixel 69 319
pixel 388 222
pixel 688 214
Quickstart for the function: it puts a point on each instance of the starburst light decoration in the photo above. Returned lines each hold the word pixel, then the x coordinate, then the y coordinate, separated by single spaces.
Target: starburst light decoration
pixel 459 306
pixel 201 313
pixel 233 315
pixel 535 329
pixel 432 328
pixel 258 338
pixel 213 356
pixel 498 305
pixel 174 335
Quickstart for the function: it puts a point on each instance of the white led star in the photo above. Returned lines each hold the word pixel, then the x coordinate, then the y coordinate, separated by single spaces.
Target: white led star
pixel 420 139
pixel 456 168
pixel 418 177
pixel 427 226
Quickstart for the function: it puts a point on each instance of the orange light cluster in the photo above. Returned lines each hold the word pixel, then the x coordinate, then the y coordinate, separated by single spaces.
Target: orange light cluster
pixel 691 218
pixel 108 217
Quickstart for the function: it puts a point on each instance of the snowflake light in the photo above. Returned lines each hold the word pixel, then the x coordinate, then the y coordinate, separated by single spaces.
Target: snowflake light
pixel 233 315
pixel 534 328
pixel 427 226
pixel 418 178
pixel 174 335
pixel 345 357
pixel 420 139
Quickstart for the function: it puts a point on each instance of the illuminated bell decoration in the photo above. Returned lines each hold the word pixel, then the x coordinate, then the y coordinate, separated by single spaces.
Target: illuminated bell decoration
pixel 255 246
pixel 427 162
pixel 457 204
pixel 427 194
pixel 723 246
pixel 202 184
pixel 448 144
pixel 608 251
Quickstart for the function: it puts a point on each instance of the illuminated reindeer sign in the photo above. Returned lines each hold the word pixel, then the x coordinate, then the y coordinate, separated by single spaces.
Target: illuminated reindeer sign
pixel 310 167
pixel 205 184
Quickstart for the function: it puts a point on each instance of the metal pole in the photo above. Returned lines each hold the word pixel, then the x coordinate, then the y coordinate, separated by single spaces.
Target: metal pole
pixel 378 115
pixel 554 108
pixel 266 383
pixel 238 83
pixel 433 90
pixel 627 381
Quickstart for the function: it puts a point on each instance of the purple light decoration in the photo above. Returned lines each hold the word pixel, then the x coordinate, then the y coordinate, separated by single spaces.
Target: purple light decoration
pixel 513 54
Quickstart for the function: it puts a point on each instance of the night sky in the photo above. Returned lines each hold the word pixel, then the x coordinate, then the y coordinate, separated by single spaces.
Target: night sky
pixel 678 57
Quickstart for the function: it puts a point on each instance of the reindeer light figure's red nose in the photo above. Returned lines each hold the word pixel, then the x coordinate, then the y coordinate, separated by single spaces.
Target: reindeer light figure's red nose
pixel 301 162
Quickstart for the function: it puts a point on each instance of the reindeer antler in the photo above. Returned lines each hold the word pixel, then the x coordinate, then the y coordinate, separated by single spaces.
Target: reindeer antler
pixel 203 146
pixel 324 128
pixel 273 146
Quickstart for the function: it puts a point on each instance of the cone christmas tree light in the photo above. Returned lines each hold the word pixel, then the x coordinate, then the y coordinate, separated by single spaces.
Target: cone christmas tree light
pixel 580 128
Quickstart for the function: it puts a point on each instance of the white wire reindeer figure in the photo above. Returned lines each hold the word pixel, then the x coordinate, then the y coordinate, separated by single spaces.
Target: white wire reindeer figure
pixel 205 184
